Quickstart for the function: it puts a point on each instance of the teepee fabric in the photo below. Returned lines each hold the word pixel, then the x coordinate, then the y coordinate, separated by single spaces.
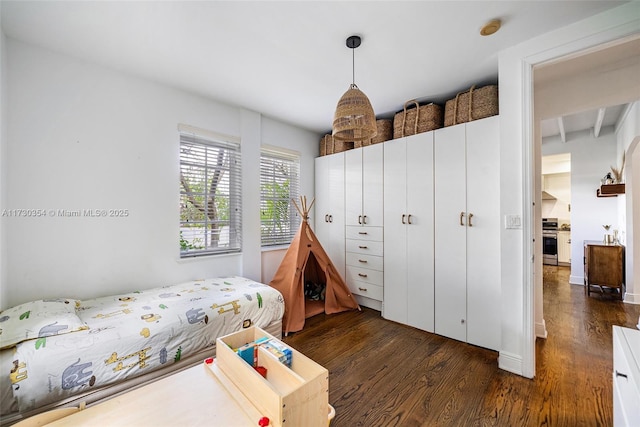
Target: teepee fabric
pixel 306 260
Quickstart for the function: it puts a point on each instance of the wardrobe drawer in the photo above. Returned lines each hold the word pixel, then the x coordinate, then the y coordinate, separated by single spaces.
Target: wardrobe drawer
pixel 373 262
pixel 367 290
pixel 365 247
pixel 357 274
pixel 365 233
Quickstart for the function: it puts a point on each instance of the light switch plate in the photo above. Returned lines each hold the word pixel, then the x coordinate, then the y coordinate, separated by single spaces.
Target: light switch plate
pixel 512 222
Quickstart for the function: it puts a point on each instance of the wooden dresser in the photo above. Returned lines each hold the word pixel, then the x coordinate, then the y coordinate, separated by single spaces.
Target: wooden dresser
pixel 604 267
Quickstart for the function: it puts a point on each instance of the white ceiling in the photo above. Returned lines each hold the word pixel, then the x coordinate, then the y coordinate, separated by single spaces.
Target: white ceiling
pixel 592 120
pixel 288 60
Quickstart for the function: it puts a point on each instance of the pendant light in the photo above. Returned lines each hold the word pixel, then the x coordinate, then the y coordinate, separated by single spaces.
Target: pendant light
pixel 354 119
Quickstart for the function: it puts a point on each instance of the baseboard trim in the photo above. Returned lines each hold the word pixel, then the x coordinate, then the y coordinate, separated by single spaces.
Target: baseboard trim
pixel 576 280
pixel 630 298
pixel 510 362
pixel 541 329
pixel 368 302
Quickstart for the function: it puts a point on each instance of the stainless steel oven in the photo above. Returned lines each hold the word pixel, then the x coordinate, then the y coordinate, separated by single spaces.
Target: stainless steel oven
pixel 550 241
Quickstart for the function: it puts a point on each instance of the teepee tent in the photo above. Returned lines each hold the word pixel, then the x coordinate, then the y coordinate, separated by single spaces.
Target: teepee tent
pixel 307 265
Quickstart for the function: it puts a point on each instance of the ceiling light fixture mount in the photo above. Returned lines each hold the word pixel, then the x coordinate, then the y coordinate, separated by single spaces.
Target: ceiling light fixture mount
pixel 353 42
pixel 354 119
pixel 490 27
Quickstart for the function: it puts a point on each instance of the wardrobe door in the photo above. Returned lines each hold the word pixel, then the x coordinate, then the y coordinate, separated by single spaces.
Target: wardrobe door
pixel 329 207
pixel 420 231
pixel 450 233
pixel 483 233
pixel 395 230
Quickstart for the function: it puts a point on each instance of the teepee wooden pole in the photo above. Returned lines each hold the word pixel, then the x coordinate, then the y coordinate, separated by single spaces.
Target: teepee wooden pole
pixel 297 208
pixel 312 202
pixel 303 209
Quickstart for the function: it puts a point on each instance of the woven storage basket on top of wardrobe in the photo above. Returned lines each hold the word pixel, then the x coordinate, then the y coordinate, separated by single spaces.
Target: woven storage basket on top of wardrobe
pixel 326 145
pixel 423 118
pixel 472 104
pixel 330 145
pixel 385 133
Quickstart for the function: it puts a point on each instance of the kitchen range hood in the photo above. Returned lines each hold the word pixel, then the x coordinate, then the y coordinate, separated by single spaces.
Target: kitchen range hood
pixel 547 196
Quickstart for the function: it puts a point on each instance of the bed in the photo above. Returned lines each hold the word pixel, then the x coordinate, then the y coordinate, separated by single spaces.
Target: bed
pixel 65 351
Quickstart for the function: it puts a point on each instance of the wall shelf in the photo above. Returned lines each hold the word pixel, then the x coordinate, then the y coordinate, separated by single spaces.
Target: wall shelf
pixel 610 190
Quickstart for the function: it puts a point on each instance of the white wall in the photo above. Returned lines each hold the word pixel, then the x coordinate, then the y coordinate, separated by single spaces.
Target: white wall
pixel 559 185
pixel 82 136
pixel 591 159
pixel 278 134
pixel 628 136
pixel 4 292
pixel 517 168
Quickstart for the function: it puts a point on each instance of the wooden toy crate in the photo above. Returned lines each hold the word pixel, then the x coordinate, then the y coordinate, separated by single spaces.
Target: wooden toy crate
pixel 293 396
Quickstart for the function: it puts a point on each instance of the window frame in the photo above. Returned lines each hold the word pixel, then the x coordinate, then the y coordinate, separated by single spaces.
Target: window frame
pixel 195 147
pixel 269 156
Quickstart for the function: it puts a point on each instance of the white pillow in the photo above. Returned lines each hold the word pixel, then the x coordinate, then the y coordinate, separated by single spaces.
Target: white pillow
pixel 38 319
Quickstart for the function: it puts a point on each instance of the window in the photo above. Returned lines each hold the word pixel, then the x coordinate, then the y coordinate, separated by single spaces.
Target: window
pixel 210 195
pixel 279 177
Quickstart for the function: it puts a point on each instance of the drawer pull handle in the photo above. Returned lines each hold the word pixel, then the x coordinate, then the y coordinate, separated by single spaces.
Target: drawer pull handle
pixel 362 232
pixel 362 275
pixel 363 247
pixel 363 261
pixel 618 374
pixel 362 289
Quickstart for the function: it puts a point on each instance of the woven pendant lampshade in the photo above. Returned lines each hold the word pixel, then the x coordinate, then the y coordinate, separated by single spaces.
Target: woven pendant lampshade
pixel 354 119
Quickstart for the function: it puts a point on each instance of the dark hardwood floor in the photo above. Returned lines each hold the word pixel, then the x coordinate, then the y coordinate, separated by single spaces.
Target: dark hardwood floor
pixel 385 374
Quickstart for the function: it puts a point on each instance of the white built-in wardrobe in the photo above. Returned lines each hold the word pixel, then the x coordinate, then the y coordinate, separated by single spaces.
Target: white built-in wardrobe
pixel 437 244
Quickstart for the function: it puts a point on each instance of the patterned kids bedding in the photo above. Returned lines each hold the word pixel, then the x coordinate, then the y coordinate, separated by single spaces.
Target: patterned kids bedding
pixel 56 349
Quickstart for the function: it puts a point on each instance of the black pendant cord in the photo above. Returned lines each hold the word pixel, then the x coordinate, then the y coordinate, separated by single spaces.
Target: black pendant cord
pixel 352 43
pixel 353 66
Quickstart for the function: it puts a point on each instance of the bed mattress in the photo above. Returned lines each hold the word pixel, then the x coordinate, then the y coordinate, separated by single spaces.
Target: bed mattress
pixel 130 335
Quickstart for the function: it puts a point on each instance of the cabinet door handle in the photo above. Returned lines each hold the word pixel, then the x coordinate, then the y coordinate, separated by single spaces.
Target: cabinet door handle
pixel 364 219
pixel 619 374
pixel 364 261
pixel 409 219
pixel 470 216
pixel 461 217
pixel 403 217
pixel 362 275
pixel 326 218
pixel 330 218
pixel 363 247
pixel 362 289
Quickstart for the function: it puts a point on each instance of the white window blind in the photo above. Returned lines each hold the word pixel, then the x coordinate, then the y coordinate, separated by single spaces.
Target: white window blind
pixel 279 183
pixel 210 196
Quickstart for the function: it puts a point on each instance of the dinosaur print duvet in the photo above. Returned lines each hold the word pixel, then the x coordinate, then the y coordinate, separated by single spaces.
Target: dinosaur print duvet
pixel 131 334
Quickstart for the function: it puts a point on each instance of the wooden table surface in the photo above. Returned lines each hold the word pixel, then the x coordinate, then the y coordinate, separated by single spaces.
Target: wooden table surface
pixel 193 397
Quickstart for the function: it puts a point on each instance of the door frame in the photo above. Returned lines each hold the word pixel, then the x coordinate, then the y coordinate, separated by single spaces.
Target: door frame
pixel 603 34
